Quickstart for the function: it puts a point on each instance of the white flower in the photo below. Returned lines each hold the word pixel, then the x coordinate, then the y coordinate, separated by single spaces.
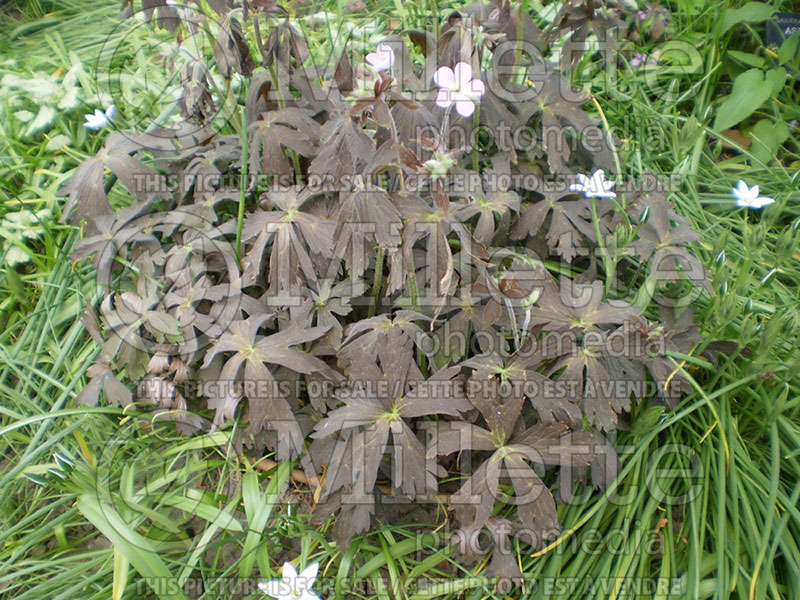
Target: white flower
pixel 458 87
pixel 100 119
pixel 747 197
pixel 292 586
pixel 382 59
pixel 595 187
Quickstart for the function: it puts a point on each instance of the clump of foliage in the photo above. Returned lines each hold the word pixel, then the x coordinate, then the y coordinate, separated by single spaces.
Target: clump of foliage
pixel 411 302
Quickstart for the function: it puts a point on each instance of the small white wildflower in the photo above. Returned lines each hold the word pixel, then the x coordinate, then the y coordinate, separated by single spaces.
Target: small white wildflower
pixel 382 59
pixel 292 586
pixel 747 197
pixel 458 87
pixel 100 119
pixel 596 186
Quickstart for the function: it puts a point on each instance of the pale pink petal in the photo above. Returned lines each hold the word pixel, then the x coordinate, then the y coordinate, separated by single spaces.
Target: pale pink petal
pixel 445 78
pixel 387 55
pixel 465 107
pixel 463 74
pixel 475 89
pixel 443 98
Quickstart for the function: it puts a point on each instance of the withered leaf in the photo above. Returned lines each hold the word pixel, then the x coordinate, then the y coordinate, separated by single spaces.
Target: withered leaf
pixel 231 50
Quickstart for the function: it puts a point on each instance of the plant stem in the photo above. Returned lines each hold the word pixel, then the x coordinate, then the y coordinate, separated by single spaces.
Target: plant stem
pixel 412 285
pixel 608 263
pixel 475 126
pixel 445 126
pixel 435 14
pixel 242 187
pixel 376 282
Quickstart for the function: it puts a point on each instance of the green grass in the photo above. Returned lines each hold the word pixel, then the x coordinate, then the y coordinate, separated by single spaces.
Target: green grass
pixel 732 445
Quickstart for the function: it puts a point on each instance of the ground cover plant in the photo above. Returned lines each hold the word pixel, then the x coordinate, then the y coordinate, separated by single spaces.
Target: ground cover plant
pixel 188 314
pixel 402 337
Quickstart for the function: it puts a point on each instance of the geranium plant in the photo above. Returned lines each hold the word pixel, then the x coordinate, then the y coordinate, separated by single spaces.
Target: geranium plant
pixel 377 286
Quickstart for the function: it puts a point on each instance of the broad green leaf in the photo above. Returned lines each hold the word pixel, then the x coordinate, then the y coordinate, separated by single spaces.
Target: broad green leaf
pixel 752 12
pixel 775 80
pixel 767 138
pixel 748 93
pixel 788 50
pixel 748 58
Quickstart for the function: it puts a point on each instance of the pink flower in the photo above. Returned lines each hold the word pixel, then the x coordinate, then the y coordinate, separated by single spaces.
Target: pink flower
pixel 382 59
pixel 637 60
pixel 458 87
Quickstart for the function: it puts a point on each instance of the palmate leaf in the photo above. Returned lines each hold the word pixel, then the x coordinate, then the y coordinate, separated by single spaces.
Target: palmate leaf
pixel 251 354
pixel 367 216
pixel 564 121
pixel 345 149
pixel 496 203
pixel 86 188
pixel 296 236
pixel 662 240
pixel 573 305
pixel 367 336
pixel 285 43
pixel 323 305
pixel 114 234
pixel 385 397
pixel 579 17
pixel 291 128
pixel 546 444
pixel 433 225
pixel 570 222
pixel 519 370
pixel 674 333
pixel 102 379
pixel 601 399
pixel 466 313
